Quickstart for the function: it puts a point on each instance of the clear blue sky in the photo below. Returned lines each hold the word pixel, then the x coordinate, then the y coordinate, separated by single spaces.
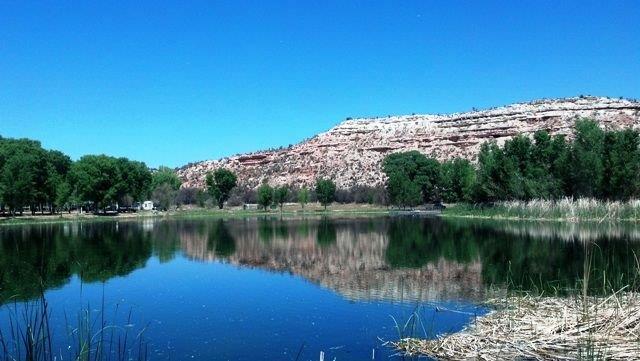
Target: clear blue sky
pixel 175 82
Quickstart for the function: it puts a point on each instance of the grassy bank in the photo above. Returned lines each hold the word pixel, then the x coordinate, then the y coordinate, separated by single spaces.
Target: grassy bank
pixel 566 209
pixel 195 212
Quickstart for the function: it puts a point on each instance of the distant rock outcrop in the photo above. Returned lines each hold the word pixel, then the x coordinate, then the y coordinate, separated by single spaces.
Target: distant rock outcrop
pixel 351 153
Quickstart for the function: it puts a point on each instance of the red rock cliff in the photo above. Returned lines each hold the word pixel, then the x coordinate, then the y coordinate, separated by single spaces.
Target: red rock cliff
pixel 351 153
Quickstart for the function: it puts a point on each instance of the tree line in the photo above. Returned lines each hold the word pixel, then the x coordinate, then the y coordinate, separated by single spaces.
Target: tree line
pixel 39 180
pixel 42 180
pixel 324 192
pixel 596 163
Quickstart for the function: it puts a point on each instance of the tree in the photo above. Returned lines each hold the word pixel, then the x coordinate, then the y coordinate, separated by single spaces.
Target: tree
pixel 326 191
pixel 219 185
pixel 303 196
pixel 18 180
pixel 495 174
pixel 106 180
pixel 587 159
pixel 96 179
pixel 411 178
pixel 457 179
pixel 164 195
pixel 402 191
pixel 280 195
pixel 56 184
pixel 165 175
pixel 265 196
pixel 621 161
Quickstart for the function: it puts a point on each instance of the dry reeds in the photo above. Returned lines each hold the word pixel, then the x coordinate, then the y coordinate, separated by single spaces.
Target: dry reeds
pixel 543 328
pixel 581 209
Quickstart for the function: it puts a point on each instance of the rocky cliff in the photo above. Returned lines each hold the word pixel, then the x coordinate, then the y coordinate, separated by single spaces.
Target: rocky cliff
pixel 351 153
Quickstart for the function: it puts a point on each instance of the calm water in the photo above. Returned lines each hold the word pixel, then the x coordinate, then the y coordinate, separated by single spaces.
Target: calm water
pixel 272 289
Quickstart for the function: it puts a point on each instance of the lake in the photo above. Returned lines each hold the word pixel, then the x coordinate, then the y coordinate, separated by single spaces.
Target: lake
pixel 287 289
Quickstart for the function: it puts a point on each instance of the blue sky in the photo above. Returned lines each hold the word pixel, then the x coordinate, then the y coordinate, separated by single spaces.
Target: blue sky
pixel 175 82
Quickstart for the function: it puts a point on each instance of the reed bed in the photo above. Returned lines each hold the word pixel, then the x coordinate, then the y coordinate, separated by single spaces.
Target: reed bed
pixel 564 208
pixel 543 328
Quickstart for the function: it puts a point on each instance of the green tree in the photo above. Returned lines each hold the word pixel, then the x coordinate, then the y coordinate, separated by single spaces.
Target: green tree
pixel 18 181
pixel 164 196
pixel 621 162
pixel 24 174
pixel 495 174
pixel 303 196
pixel 58 165
pixel 165 175
pixel 587 165
pixel 135 181
pixel 265 196
pixel 219 185
pixel 325 191
pixel 412 178
pixel 280 195
pixel 402 191
pixel 457 179
pixel 96 179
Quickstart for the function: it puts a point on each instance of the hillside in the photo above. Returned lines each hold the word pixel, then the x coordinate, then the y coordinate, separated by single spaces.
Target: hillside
pixel 351 152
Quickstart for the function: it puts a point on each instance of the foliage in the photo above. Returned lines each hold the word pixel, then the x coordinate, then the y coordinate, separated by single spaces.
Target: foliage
pixel 587 163
pixel 411 178
pixel 325 191
pixel 190 196
pixel 165 175
pixel 105 180
pixel 219 185
pixel 280 195
pixel 457 179
pixel 265 196
pixel 164 196
pixel 303 196
pixel 29 175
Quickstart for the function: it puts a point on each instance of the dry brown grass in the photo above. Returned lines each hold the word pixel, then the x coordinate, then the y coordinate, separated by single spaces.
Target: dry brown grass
pixel 543 328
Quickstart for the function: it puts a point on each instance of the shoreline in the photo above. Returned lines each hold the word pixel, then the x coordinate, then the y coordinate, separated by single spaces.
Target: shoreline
pixel 453 211
pixel 351 210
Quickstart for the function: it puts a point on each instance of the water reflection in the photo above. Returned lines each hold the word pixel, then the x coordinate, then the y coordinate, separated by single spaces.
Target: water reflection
pixel 363 258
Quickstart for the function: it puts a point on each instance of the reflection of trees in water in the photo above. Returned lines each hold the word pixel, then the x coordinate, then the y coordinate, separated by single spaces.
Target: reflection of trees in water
pixel 528 256
pixel 326 234
pixel 46 256
pixel 346 255
pixel 383 257
pixel 416 242
pixel 220 241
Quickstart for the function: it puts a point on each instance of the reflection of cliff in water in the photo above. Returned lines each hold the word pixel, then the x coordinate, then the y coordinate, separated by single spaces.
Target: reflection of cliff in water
pixel 393 258
pixel 346 255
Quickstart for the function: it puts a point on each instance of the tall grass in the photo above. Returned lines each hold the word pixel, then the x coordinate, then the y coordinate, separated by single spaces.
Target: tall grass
pixel 31 336
pixel 565 209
